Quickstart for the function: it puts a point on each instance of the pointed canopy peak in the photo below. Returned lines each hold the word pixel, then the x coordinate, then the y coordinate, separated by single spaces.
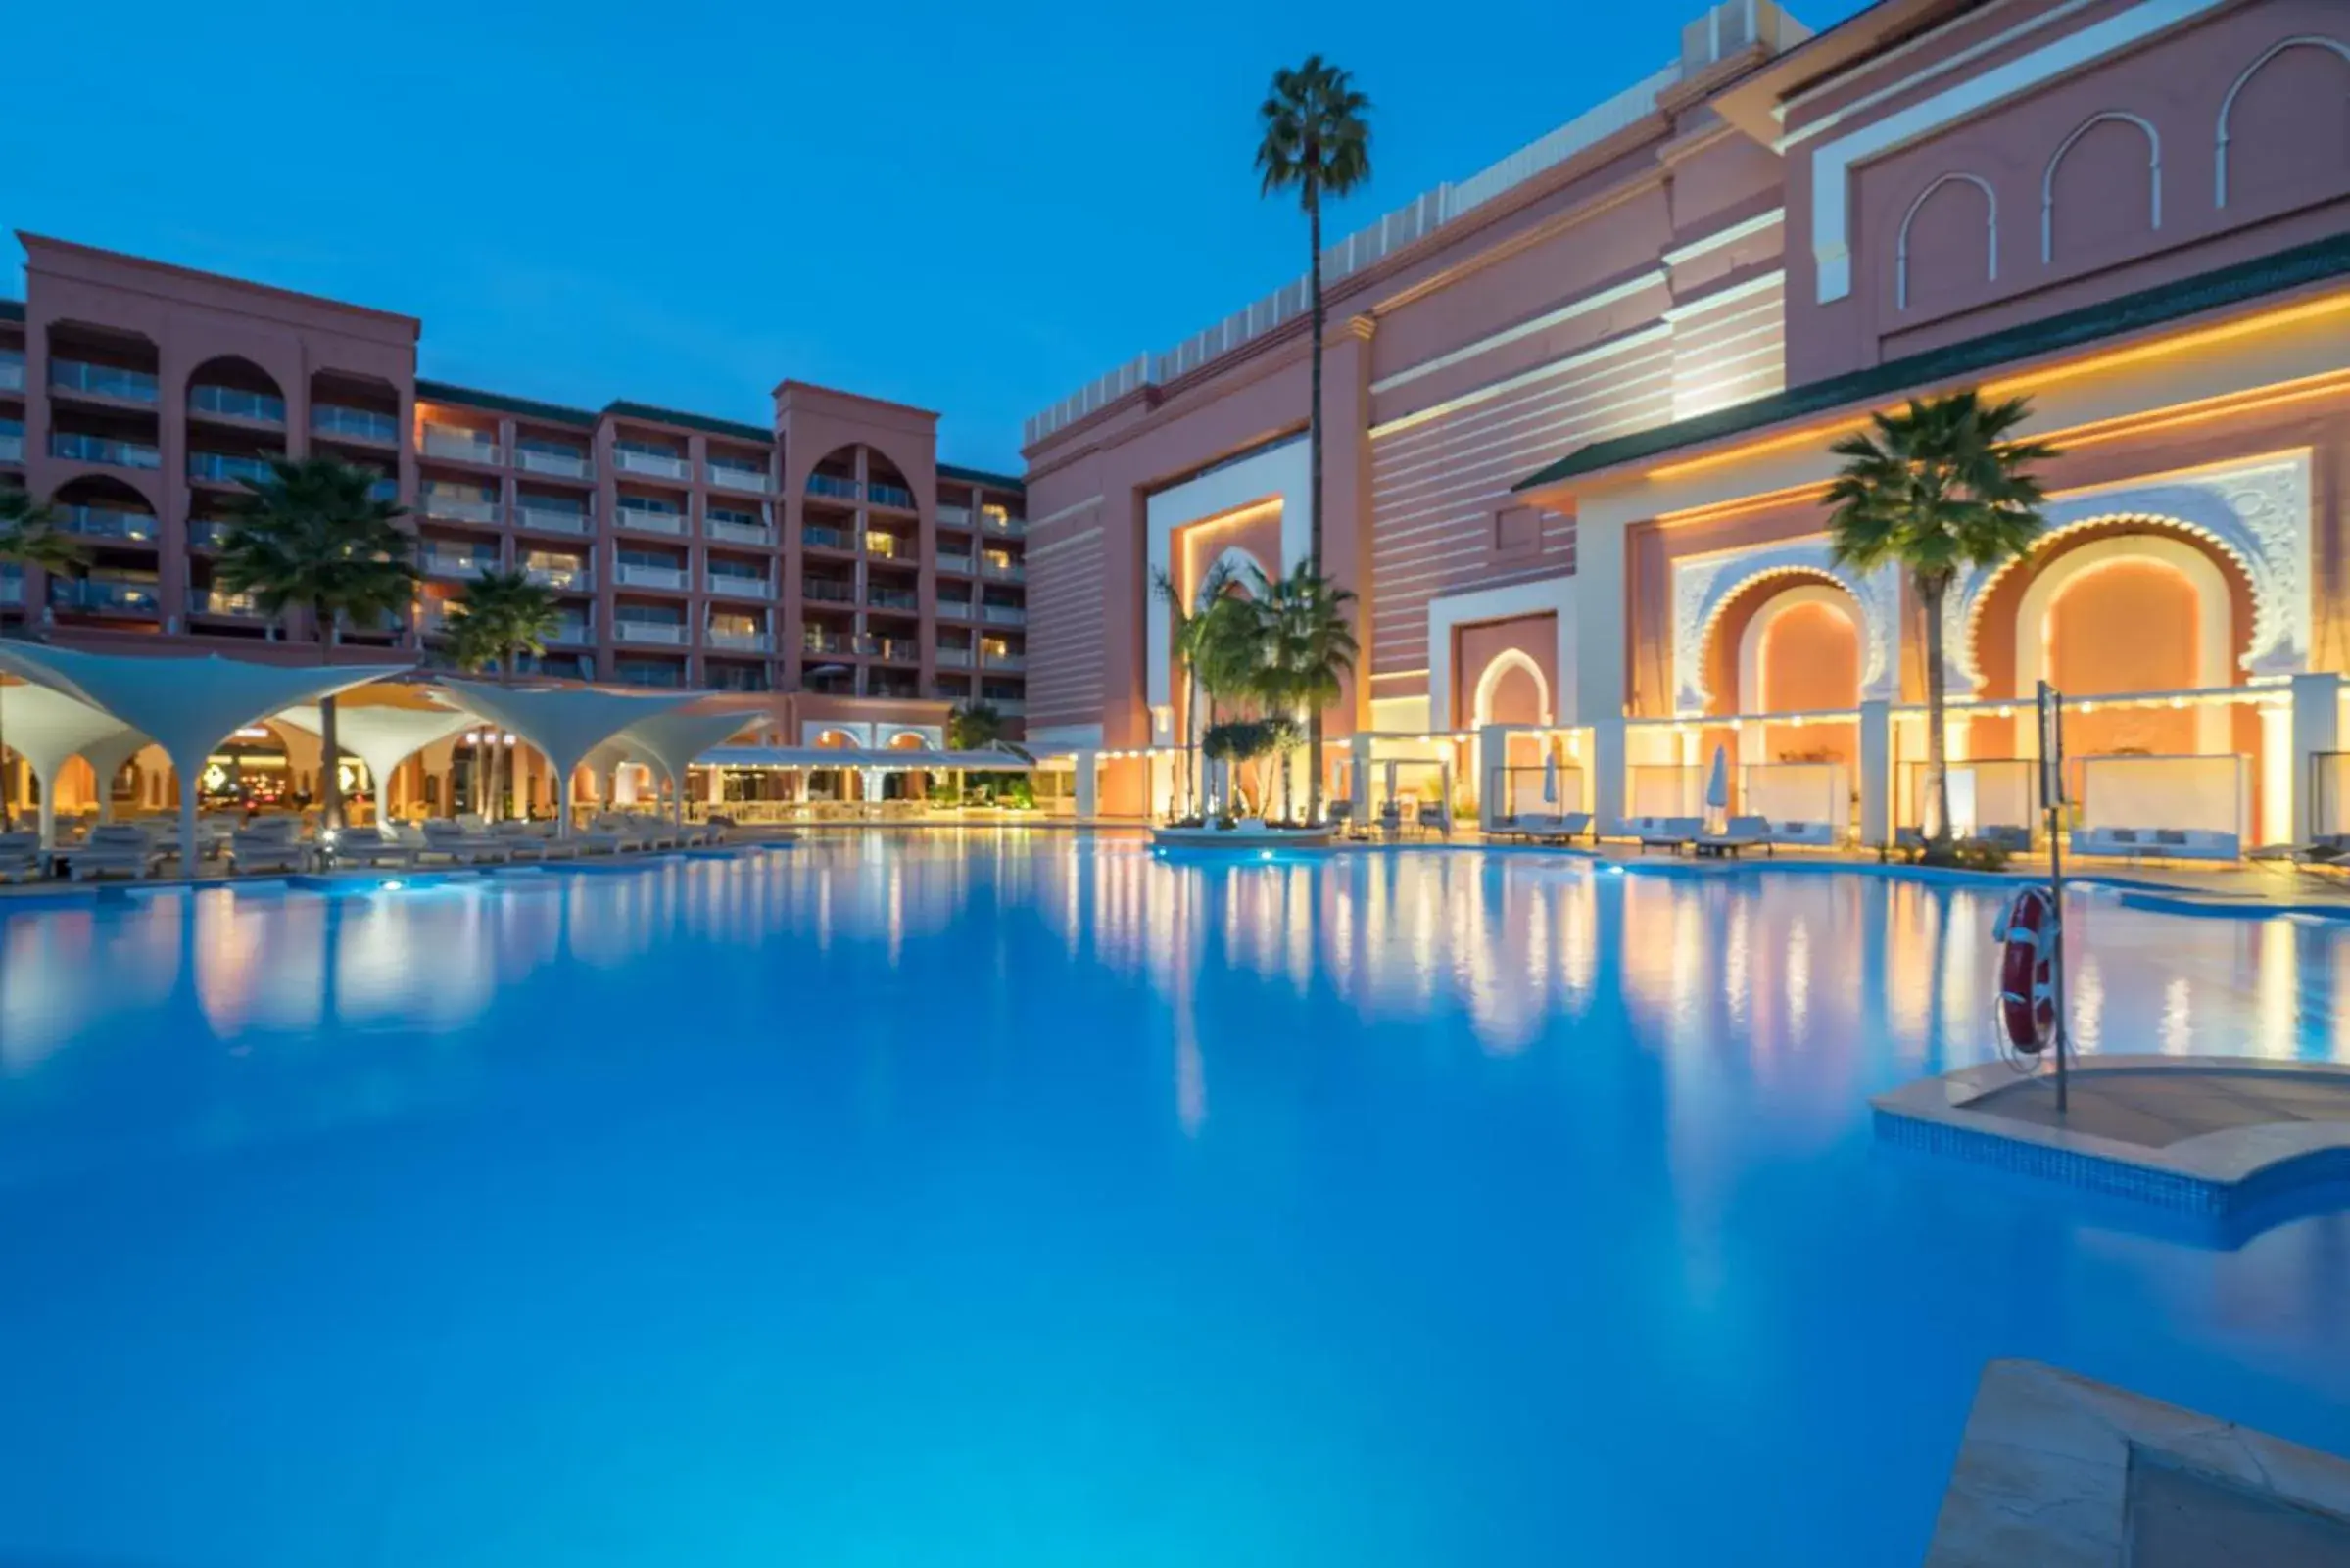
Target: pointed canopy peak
pixel 564 721
pixel 186 704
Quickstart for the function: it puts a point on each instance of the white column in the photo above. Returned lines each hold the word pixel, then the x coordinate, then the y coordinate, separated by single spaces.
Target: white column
pixel 1358 770
pixel 2317 729
pixel 1493 756
pixel 1876 773
pixel 2277 822
pixel 1087 785
pixel 1608 773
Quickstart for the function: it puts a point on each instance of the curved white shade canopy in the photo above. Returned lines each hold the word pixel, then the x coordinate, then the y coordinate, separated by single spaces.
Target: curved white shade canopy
pixel 672 741
pixel 564 723
pixel 382 737
pixel 46 726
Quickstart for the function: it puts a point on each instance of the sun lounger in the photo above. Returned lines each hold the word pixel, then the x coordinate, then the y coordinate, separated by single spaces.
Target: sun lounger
pixel 2155 843
pixel 1738 833
pixel 115 849
pixel 268 844
pixel 20 858
pixel 1675 834
pixel 1803 835
pixel 533 841
pixel 366 848
pixel 615 830
pixel 446 840
pixel 658 833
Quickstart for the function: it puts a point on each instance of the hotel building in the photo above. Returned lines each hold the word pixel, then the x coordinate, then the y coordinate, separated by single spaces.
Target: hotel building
pixel 1578 408
pixel 827 553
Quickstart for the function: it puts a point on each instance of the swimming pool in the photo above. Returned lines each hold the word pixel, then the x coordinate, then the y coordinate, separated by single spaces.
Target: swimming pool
pixel 1031 1200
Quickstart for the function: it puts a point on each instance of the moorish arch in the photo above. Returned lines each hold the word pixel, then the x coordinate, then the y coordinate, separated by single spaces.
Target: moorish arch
pixel 2315 90
pixel 1946 238
pixel 1708 589
pixel 1511 690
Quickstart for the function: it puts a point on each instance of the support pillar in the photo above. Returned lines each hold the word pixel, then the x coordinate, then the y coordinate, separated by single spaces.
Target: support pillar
pixel 1087 785
pixel 1876 774
pixel 1358 748
pixel 1608 774
pixel 1492 757
pixel 2317 724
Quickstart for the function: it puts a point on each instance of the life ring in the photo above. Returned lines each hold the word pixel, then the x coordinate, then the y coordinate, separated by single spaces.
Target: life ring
pixel 2028 969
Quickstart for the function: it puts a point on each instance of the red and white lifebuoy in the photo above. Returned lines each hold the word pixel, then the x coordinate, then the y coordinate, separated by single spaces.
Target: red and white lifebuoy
pixel 2027 930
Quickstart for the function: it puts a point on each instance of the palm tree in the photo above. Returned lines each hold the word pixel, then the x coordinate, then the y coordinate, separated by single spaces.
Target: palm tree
pixel 1309 648
pixel 973 726
pixel 1191 628
pixel 315 536
pixel 29 537
pixel 1933 489
pixel 502 616
pixel 1316 140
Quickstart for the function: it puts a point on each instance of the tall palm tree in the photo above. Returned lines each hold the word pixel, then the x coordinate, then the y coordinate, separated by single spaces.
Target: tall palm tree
pixel 29 537
pixel 1309 648
pixel 502 615
pixel 1190 626
pixel 313 536
pixel 1933 489
pixel 974 725
pixel 1315 139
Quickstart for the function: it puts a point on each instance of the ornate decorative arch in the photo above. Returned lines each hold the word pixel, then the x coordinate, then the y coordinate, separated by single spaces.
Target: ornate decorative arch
pixel 1902 244
pixel 2256 514
pixel 1705 585
pixel 2047 178
pixel 1501 664
pixel 2307 40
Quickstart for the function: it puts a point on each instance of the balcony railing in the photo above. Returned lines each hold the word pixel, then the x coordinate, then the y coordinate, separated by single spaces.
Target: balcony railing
pixel 954 517
pixel 814 641
pixel 98 596
pixel 734 533
pixel 1009 527
pixel 736 641
pixel 108 522
pixel 461 446
pixel 631 576
pixel 886 546
pixel 646 463
pixel 889 496
pixel 645 520
pixel 817 537
pixel 435 564
pixel 954 609
pixel 562 465
pixel 12 585
pixel 235 403
pixel 12 446
pixel 892 599
pixel 823 590
pixel 1009 708
pixel 219 468
pixel 898 649
pixel 955 563
pixel 1003 571
pixel 573 630
pixel 102 381
pixel 954 658
pixel 206 535
pixel 456 509
pixel 575 579
pixel 220 601
pixel 736 677
pixel 1003 661
pixel 729 476
pixel 354 424
pixel 555 520
pixel 903 688
pixel 11 372
pixel 738 586
pixel 832 487
pixel 100 449
pixel 656 674
pixel 1003 615
pixel 628 631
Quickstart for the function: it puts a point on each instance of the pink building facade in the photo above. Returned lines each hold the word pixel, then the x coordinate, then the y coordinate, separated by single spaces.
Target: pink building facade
pixel 826 551
pixel 1578 406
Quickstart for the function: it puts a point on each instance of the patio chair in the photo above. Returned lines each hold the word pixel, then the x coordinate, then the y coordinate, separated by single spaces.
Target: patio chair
pixel 116 849
pixel 21 857
pixel 1391 820
pixel 1435 817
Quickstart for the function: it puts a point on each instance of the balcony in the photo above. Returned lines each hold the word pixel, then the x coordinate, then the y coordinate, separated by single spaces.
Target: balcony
pixel 573 579
pixel 456 509
pixel 98 596
pixel 896 649
pixel 100 449
pixel 890 495
pixel 1009 708
pixel 733 533
pixel 672 633
pixel 206 535
pixel 736 677
pixel 433 564
pixel 888 546
pixel 555 520
pixel 626 575
pixel 338 423
pixel 109 523
pixel 901 687
pixel 645 520
pixel 833 488
pixel 1003 615
pixel 954 517
pixel 730 476
pixel 461 446
pixel 892 598
pixel 818 538
pixel 12 446
pixel 994 520
pixel 641 671
pixel 574 630
pixel 812 641
pixel 1003 571
pixel 234 402
pixel 1003 661
pixel 735 586
pixel 954 609
pixel 557 464
pixel 736 641
pixel 960 565
pixel 102 381
pixel 657 464
pixel 220 601
pixel 12 370
pixel 954 658
pixel 823 590
pixel 12 585
pixel 219 468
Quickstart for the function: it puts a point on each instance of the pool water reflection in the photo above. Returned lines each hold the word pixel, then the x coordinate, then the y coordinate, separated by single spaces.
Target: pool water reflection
pixel 1030 1200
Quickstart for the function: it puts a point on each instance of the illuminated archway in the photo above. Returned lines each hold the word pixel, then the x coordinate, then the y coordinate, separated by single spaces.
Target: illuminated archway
pixel 2126 591
pixel 1499 698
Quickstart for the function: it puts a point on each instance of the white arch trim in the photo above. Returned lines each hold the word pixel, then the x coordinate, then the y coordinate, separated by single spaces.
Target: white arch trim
pixel 2215 631
pixel 2047 178
pixel 1902 244
pixel 1501 664
pixel 1705 585
pixel 2256 513
pixel 1751 671
pixel 2307 40
pixel 1243 566
pixel 1278 475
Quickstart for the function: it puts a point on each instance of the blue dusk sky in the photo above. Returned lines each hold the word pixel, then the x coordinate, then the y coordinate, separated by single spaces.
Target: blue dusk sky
pixel 971 208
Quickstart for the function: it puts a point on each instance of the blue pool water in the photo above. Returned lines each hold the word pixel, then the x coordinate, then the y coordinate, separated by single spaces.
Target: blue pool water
pixel 1031 1201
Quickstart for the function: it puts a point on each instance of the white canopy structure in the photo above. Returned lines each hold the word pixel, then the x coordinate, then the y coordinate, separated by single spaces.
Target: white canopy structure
pixel 921 758
pixel 565 722
pixel 674 739
pixel 46 727
pixel 383 738
pixel 185 704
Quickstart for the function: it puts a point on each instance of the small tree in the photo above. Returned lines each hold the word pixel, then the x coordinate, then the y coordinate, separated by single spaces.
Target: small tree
pixel 973 725
pixel 29 537
pixel 314 534
pixel 1933 489
pixel 1309 648
pixel 502 615
pixel 1190 629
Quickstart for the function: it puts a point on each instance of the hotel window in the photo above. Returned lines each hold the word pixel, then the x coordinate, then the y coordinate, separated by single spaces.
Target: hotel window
pixel 1517 532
